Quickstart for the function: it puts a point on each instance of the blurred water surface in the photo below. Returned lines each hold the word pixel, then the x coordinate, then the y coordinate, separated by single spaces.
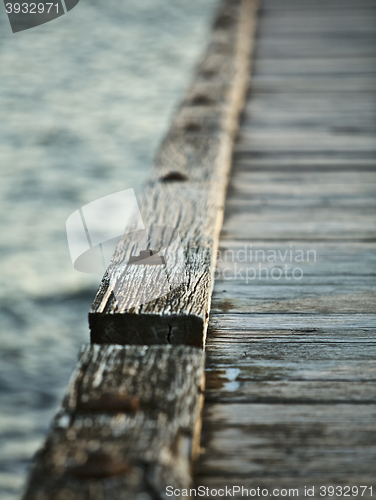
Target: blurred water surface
pixel 84 101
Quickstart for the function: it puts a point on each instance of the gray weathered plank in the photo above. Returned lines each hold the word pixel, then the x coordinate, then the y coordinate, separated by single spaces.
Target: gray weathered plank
pixel 222 338
pixel 244 368
pixel 304 205
pixel 290 440
pixel 321 258
pixel 303 164
pixel 315 83
pixel 350 23
pixel 292 299
pixel 221 388
pixel 277 7
pixel 185 191
pixel 316 66
pixel 250 369
pixel 295 228
pixel 298 139
pixel 312 111
pixel 257 277
pixel 251 353
pixel 351 183
pixel 293 321
pixel 315 47
pixel 129 425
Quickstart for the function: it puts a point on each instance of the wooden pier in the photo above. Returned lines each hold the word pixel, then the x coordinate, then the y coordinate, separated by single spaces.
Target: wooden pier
pixel 291 374
pixel 289 389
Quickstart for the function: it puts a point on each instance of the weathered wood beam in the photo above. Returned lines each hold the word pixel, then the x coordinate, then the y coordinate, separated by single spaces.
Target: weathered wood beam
pixel 129 425
pixel 185 191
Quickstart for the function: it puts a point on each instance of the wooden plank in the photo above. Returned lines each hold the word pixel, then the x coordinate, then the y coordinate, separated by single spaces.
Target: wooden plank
pixel 358 203
pixel 299 352
pixel 269 415
pixel 186 191
pixel 314 136
pixel 244 163
pixel 330 258
pixel 252 371
pixel 292 440
pixel 312 112
pixel 310 9
pixel 330 267
pixel 221 388
pixel 295 139
pixel 246 366
pixel 296 228
pixel 315 83
pixel 295 299
pixel 322 5
pixel 291 379
pixel 293 321
pixel 329 184
pixel 334 22
pixel 310 46
pixel 221 338
pixel 316 66
pixel 129 425
pixel 338 18
pixel 252 277
pixel 300 205
pixel 304 183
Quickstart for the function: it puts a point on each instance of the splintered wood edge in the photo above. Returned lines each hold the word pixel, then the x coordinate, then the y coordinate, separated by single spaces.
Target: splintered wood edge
pixel 186 190
pixel 125 425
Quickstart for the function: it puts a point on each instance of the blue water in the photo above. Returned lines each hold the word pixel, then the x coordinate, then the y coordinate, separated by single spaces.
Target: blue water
pixel 85 101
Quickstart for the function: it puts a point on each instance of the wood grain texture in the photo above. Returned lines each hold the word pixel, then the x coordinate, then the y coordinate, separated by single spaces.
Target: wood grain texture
pixel 310 299
pixel 128 426
pixel 221 389
pixel 316 66
pixel 290 373
pixel 257 277
pixel 350 23
pixel 315 111
pixel 351 82
pixel 185 191
pixel 305 48
pixel 275 7
pixel 296 440
pixel 293 321
pixel 304 164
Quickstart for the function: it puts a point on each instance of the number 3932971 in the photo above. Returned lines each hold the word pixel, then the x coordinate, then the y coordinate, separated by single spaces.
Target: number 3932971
pixel 31 8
